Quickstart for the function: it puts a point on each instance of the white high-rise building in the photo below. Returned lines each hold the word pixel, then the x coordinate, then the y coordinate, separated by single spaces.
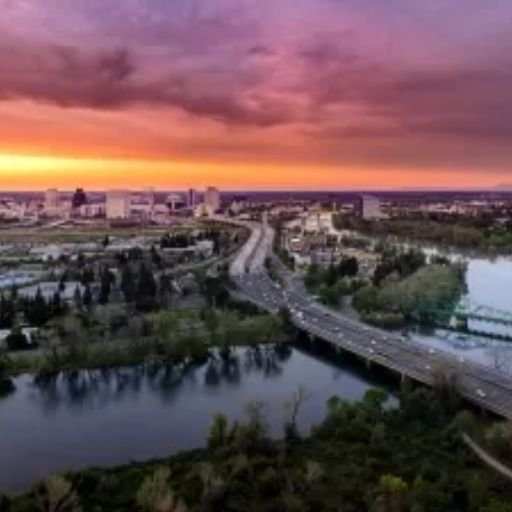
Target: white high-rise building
pixel 370 208
pixel 51 201
pixel 118 204
pixel 212 199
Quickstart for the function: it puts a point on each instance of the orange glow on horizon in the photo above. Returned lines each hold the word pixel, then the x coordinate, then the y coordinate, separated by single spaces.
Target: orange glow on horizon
pixel 35 172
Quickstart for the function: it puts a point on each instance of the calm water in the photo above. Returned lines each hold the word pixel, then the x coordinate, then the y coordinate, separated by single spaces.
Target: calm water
pixel 116 416
pixel 489 283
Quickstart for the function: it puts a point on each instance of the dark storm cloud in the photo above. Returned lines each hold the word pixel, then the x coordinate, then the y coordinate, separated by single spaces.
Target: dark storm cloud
pixel 113 78
pixel 254 64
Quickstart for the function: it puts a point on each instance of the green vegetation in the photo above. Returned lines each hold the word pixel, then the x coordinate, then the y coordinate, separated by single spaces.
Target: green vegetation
pixel 427 295
pixel 403 264
pixel 333 282
pixel 36 311
pixel 108 337
pixel 364 457
pixel 463 233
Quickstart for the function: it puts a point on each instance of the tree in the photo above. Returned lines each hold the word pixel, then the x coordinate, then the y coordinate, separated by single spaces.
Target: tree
pixel 7 311
pixel 214 289
pixel 293 408
pixel 58 307
pixel 16 340
pixel 107 279
pixel 214 487
pixel 155 493
pixel 146 289
pixel 164 290
pixel 56 495
pixel 156 259
pixel 218 434
pixel 87 297
pixel 497 506
pixel 87 276
pixel 393 494
pixel 77 299
pixel 38 313
pixel 128 283
pixel 166 326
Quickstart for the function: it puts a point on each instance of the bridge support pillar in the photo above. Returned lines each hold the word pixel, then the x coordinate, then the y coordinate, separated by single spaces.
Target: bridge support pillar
pixel 368 363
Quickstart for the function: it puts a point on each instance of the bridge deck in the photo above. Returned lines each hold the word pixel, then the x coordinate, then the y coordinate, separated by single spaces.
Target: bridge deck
pixel 479 384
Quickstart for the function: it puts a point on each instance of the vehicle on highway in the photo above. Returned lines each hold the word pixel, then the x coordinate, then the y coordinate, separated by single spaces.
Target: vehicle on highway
pixel 480 393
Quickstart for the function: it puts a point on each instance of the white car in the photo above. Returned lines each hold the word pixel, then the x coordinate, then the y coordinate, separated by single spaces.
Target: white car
pixel 480 393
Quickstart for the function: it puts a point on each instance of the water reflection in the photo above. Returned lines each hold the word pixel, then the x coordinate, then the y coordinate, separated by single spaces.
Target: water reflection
pixel 488 281
pixel 83 389
pixel 76 419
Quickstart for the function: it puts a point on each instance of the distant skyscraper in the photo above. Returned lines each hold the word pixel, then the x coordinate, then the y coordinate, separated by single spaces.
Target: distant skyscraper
pixel 118 204
pixel 370 208
pixel 212 198
pixel 79 198
pixel 51 200
pixel 191 198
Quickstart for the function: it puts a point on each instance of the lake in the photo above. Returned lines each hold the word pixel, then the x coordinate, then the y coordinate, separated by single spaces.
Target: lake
pixel 111 417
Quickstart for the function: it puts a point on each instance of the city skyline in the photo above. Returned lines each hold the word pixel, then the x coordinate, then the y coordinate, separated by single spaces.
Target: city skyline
pixel 304 95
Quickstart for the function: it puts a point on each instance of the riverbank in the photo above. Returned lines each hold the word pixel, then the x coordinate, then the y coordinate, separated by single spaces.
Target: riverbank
pixel 166 337
pixel 457 236
pixel 362 455
pixel 141 412
pixel 427 296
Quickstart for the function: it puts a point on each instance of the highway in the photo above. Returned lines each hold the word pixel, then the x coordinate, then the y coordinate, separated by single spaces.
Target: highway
pixel 479 384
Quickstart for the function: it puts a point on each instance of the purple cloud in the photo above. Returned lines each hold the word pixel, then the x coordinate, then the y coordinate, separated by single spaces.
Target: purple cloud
pixel 328 68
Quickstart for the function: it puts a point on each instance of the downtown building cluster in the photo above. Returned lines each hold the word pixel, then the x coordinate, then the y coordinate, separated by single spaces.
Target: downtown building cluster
pixel 120 204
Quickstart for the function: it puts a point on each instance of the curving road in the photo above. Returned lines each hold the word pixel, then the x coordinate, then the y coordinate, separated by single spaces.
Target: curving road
pixel 479 384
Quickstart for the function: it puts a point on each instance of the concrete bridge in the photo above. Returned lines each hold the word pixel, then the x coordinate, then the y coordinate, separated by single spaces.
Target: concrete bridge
pixel 479 384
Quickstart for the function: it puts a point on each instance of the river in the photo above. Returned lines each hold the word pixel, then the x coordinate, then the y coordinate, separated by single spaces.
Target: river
pixel 489 283
pixel 112 417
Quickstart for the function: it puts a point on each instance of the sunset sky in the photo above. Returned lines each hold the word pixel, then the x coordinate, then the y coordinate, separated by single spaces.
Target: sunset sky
pixel 302 94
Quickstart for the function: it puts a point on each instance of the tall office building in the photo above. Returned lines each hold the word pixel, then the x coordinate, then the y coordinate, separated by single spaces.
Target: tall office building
pixel 51 200
pixel 371 208
pixel 191 198
pixel 212 199
pixel 118 204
